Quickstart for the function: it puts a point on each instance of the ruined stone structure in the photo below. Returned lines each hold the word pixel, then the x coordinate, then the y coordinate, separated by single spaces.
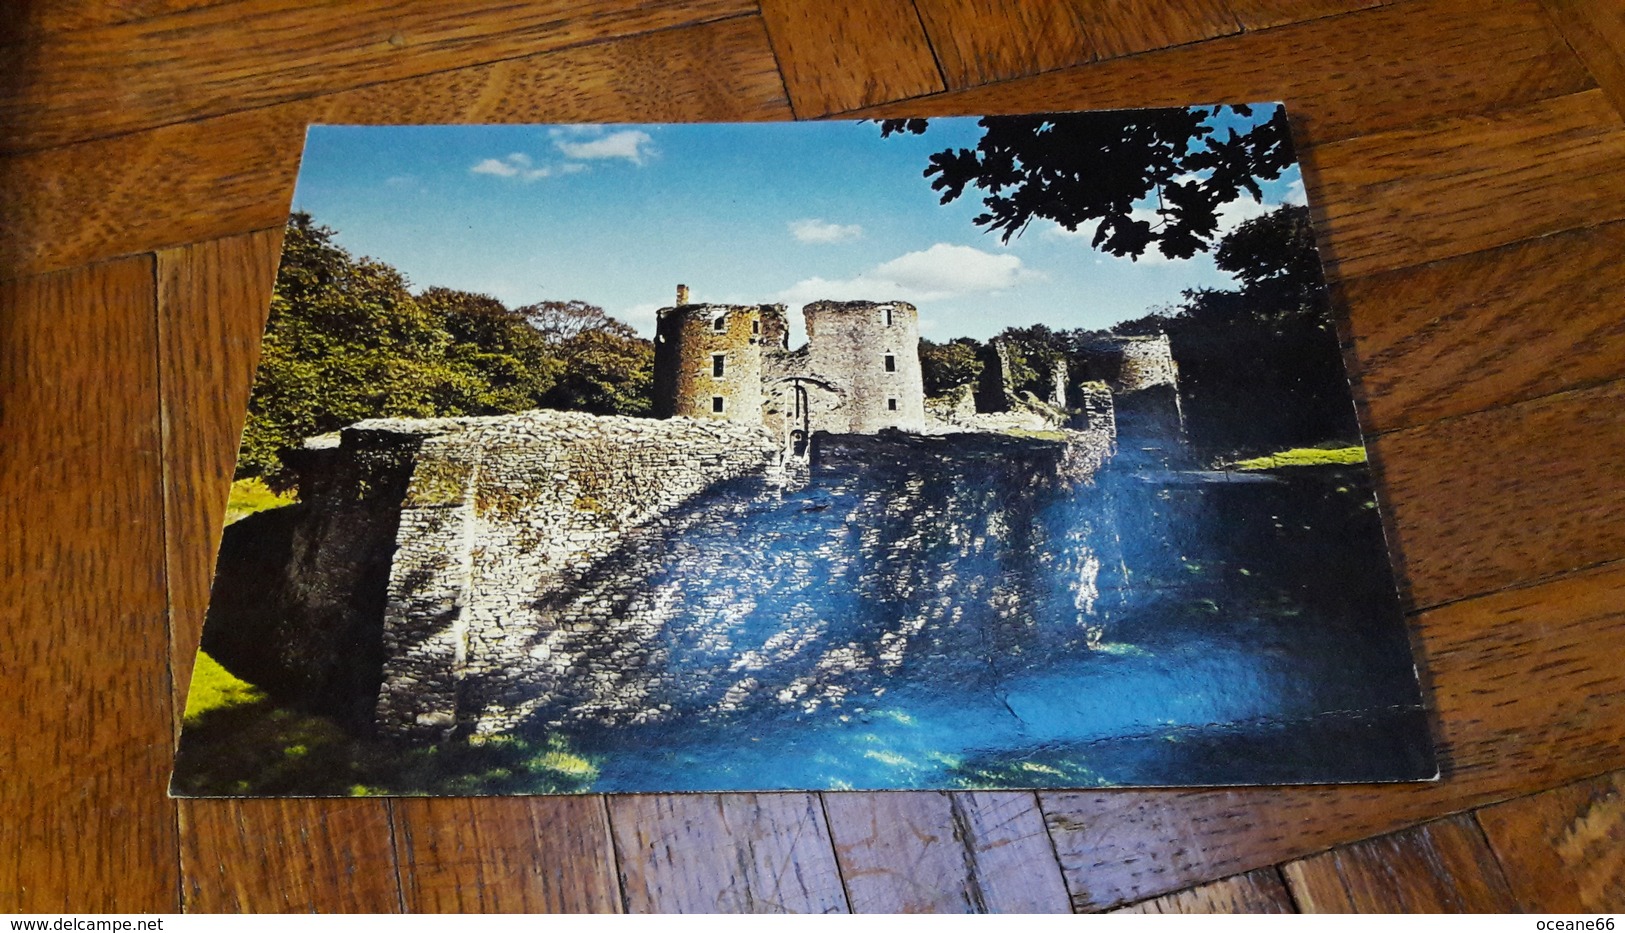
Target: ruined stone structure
pixel 1059 380
pixel 1095 408
pixel 502 519
pixel 431 567
pixel 872 349
pixel 559 568
pixel 993 387
pixel 1144 381
pixel 858 373
pixel 1131 364
pixel 467 575
pixel 708 359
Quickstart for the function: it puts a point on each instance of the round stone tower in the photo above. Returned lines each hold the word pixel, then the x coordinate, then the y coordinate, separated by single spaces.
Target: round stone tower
pixel 872 351
pixel 708 358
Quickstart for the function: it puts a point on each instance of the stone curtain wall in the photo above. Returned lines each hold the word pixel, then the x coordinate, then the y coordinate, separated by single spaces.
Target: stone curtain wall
pixel 899 550
pixel 556 568
pixel 299 591
pixel 504 517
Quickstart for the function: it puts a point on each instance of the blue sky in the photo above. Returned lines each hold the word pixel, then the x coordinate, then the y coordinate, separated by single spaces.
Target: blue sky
pixel 617 215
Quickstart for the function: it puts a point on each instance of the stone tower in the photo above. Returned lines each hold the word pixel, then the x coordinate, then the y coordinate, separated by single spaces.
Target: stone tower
pixel 708 358
pixel 872 349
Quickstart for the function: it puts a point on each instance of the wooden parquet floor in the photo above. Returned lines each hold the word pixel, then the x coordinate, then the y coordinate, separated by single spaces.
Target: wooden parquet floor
pixel 1466 163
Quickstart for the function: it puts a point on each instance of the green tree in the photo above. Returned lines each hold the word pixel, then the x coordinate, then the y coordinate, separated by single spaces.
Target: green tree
pixel 347 340
pixel 503 363
pixel 608 370
pixel 1275 254
pixel 559 321
pixel 944 366
pixel 1075 168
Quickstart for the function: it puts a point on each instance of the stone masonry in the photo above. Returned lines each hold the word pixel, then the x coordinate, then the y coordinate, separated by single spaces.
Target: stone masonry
pixel 500 517
pixel 858 373
pixel 553 568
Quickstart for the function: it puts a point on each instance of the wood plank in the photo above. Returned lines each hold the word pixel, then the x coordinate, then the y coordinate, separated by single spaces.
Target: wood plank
pixel 1124 27
pixel 841 56
pixel 725 853
pixel 1256 892
pixel 287 856
pixel 1507 496
pixel 982 42
pixel 27 20
pixel 1465 184
pixel 86 691
pixel 1563 851
pixel 514 855
pixel 1596 32
pixel 1362 77
pixel 262 855
pixel 218 59
pixel 213 298
pixel 917 852
pixel 1263 14
pixel 1442 867
pixel 1490 328
pixel 1527 692
pixel 234 174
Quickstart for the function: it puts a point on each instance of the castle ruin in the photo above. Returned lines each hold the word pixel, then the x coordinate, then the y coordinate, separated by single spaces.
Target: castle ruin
pixel 471 574
pixel 858 373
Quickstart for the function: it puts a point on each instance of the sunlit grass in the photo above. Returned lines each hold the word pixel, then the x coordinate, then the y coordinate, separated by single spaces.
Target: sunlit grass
pixel 238 741
pixel 252 495
pixel 1305 456
pixel 1036 434
pixel 214 687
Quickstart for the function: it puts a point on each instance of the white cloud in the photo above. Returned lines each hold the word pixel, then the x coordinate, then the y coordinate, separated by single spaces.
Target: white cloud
pixel 1057 232
pixel 514 165
pixel 942 271
pixel 632 145
pixel 640 316
pixel 812 230
pixel 1295 193
pixel 1241 209
pixel 953 270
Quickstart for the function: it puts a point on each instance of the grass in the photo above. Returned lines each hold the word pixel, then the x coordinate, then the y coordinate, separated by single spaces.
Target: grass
pixel 239 742
pixel 252 495
pixel 215 688
pixel 1036 434
pixel 1305 457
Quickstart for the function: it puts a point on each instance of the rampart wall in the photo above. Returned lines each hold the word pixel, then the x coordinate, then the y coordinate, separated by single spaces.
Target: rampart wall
pixel 502 517
pixel 749 594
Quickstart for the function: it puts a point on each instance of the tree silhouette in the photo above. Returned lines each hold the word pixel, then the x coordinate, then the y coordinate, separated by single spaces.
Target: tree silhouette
pixel 1277 248
pixel 1072 168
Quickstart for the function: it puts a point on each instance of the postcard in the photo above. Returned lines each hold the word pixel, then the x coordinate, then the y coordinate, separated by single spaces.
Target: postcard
pixel 998 452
